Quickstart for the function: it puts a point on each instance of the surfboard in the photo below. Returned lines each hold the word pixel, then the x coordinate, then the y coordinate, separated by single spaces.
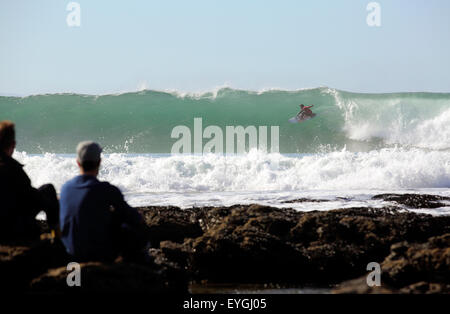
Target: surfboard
pixel 297 119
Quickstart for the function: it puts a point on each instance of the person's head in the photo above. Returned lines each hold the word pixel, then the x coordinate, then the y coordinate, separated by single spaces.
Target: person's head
pixel 88 157
pixel 302 106
pixel 7 137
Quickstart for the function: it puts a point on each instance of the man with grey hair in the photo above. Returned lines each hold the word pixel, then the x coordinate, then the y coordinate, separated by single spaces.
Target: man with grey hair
pixel 96 223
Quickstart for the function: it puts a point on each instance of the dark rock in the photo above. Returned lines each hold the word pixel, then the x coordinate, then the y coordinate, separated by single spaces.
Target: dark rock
pixel 410 268
pixel 250 244
pixel 41 267
pixel 414 200
pixel 20 264
pixel 210 217
pixel 340 243
pixel 172 258
pixel 263 244
pixel 426 288
pixel 99 277
pixel 170 223
pixel 359 286
pixel 409 263
pixel 258 244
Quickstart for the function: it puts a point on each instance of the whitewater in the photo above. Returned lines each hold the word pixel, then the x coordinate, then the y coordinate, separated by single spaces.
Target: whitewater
pixel 359 145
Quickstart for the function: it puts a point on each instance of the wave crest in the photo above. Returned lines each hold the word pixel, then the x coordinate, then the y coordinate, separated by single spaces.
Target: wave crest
pixel 142 122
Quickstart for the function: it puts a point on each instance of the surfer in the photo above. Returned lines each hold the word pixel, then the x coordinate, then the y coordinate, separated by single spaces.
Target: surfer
pixel 305 111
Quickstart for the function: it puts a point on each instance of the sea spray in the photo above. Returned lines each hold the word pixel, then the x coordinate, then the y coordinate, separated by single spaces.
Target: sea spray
pixel 387 169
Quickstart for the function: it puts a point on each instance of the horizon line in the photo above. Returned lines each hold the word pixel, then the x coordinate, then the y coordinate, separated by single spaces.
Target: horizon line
pixel 213 90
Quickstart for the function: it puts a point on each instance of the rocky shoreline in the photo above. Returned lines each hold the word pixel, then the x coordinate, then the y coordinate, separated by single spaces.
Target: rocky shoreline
pixel 254 244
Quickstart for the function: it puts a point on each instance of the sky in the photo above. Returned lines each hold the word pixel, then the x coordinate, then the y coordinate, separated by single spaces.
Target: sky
pixel 199 45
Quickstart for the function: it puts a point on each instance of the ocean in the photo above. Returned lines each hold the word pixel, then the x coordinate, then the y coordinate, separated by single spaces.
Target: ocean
pixel 357 146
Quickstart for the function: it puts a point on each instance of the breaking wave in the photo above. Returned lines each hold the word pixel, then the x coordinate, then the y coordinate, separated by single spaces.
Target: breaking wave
pixel 141 122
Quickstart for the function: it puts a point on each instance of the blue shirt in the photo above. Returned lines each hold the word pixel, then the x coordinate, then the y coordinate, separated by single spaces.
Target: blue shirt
pixel 91 213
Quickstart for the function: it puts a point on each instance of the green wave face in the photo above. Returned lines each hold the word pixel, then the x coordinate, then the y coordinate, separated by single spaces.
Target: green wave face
pixel 142 122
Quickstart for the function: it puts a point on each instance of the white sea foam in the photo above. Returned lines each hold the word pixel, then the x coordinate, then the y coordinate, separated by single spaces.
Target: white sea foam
pixel 383 169
pixel 412 122
pixel 187 180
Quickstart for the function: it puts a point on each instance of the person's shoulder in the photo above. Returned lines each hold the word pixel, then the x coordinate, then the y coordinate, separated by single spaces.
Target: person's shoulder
pixel 68 184
pixel 7 161
pixel 13 169
pixel 109 187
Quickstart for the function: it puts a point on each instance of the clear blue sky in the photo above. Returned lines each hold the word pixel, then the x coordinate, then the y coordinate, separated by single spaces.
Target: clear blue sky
pixel 194 45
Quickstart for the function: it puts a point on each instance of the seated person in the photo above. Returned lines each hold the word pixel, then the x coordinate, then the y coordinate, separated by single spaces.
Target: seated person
pixel 96 223
pixel 19 201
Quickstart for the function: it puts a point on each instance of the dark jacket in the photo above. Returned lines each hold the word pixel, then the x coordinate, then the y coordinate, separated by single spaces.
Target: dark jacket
pixel 19 201
pixel 91 216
